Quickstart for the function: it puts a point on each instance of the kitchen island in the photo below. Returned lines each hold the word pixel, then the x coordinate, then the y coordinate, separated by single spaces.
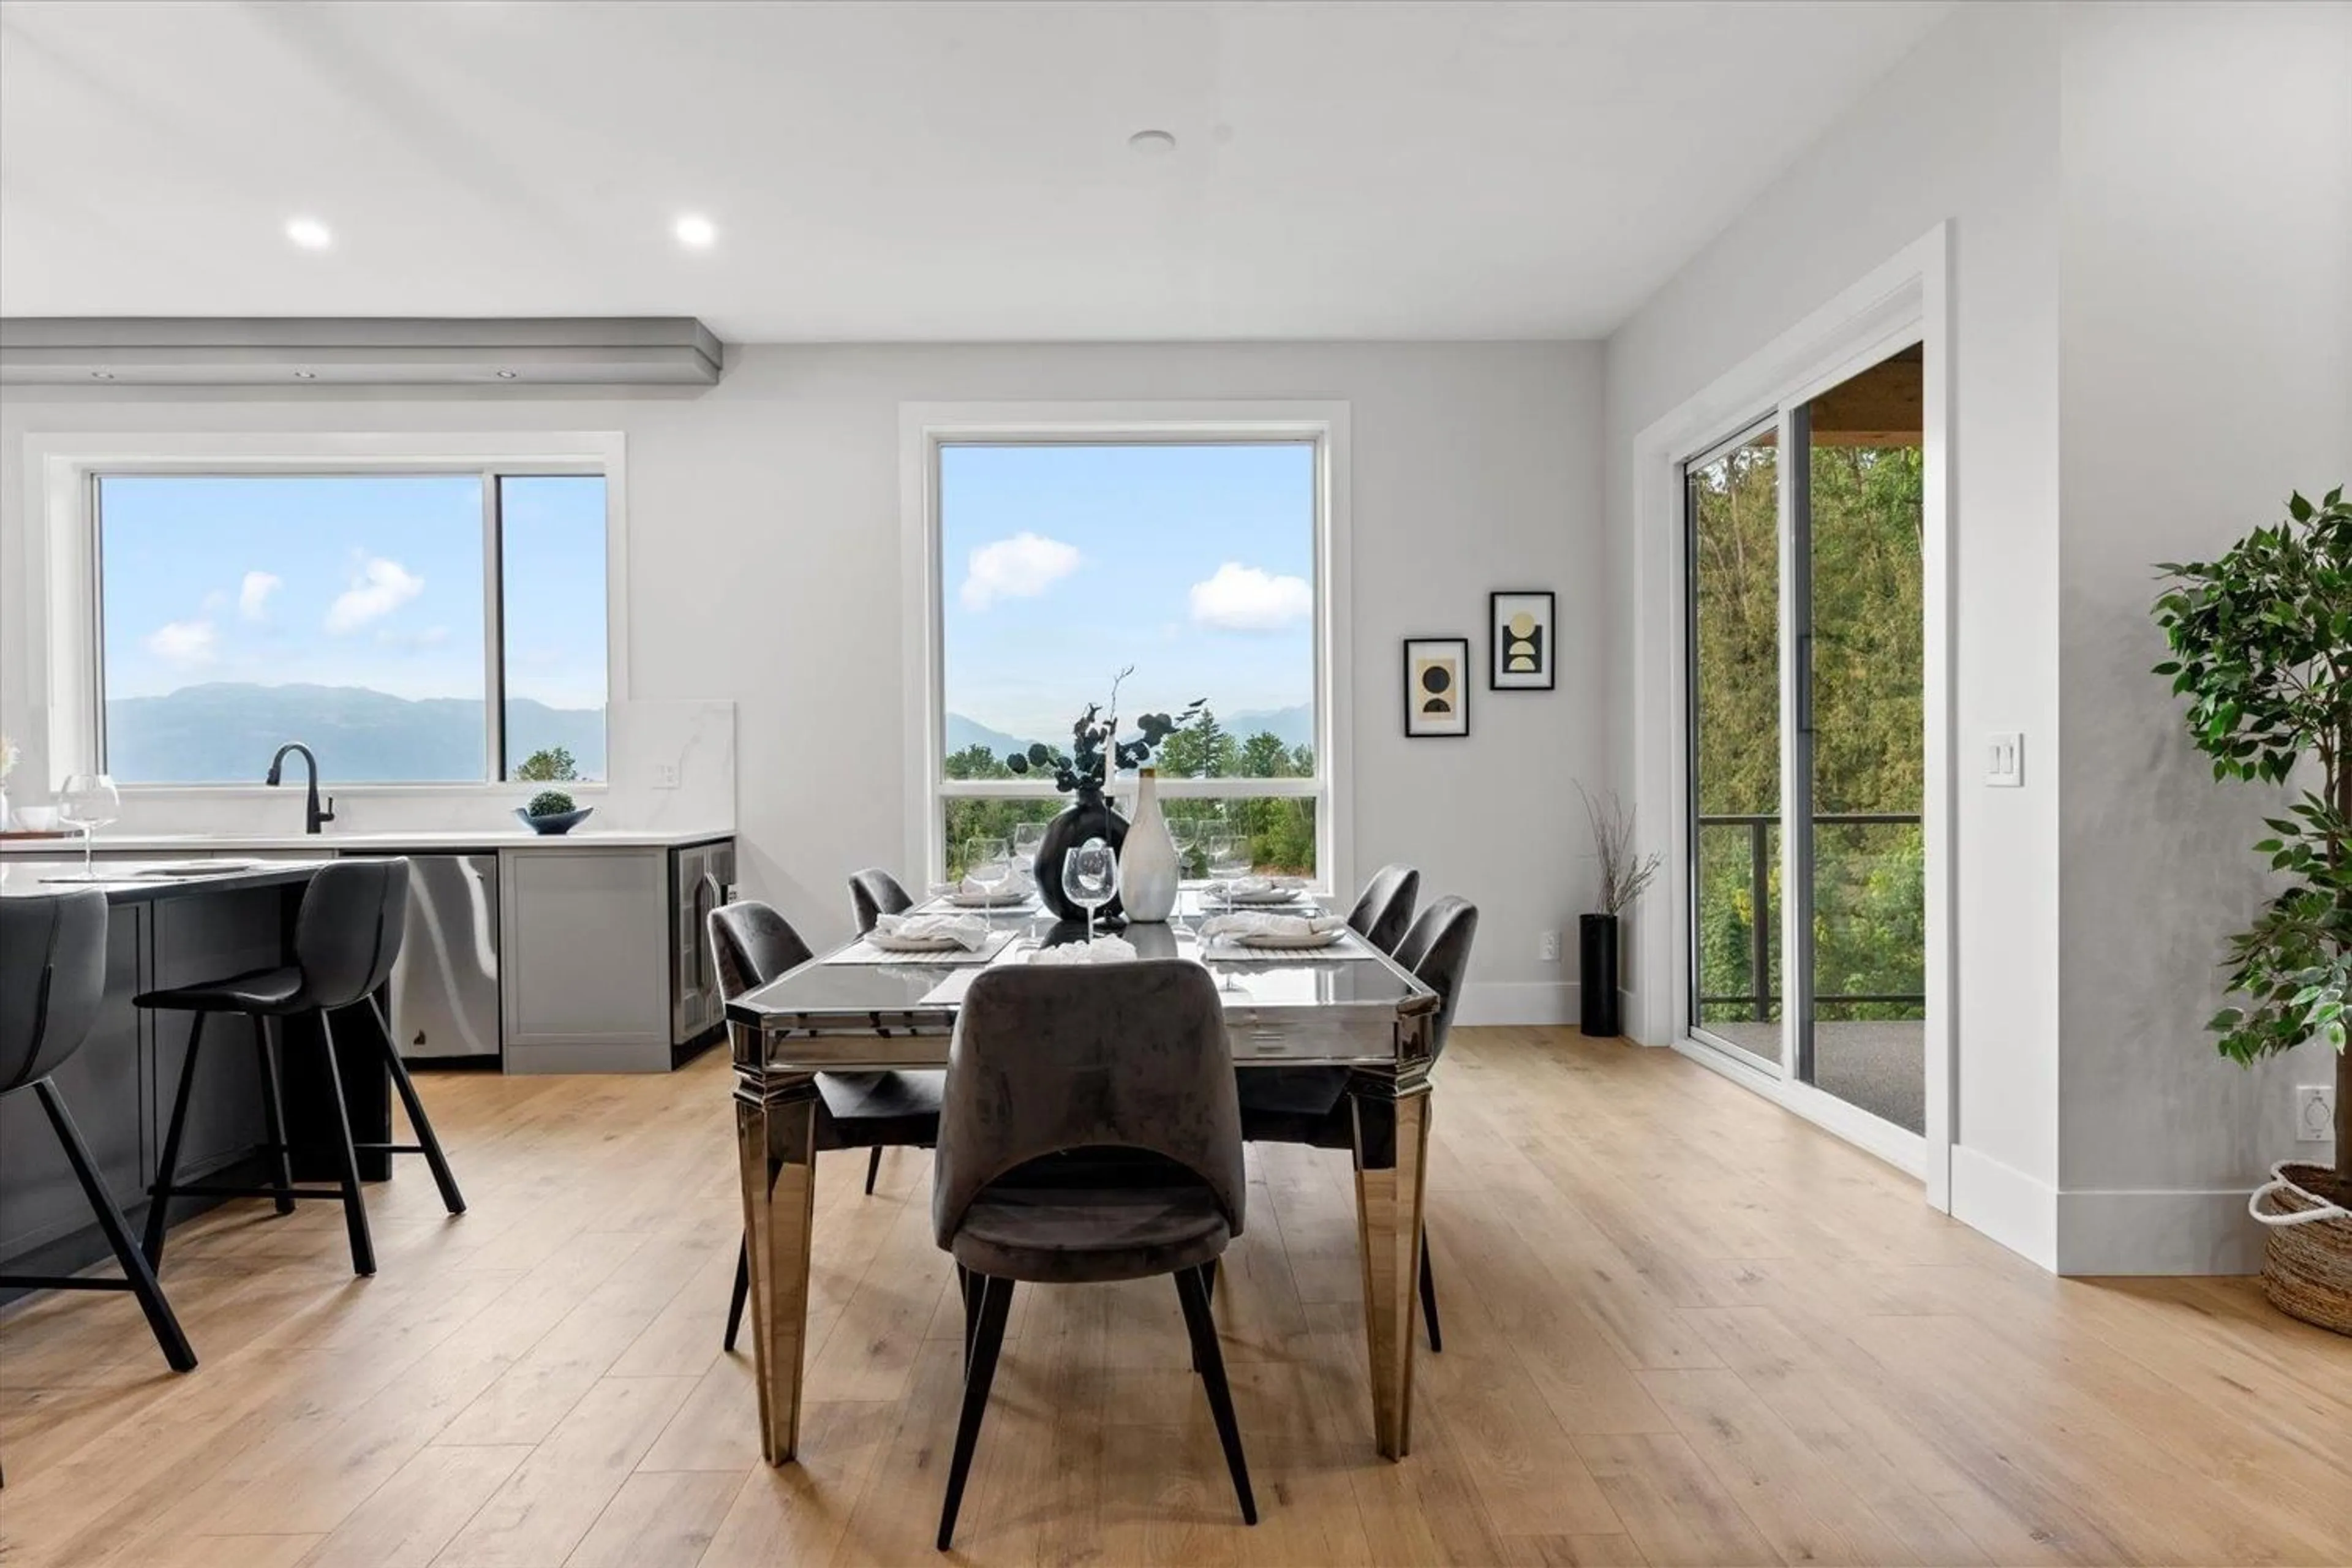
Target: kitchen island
pixel 172 923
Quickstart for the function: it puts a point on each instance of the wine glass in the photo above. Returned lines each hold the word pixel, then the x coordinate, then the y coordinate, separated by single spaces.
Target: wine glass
pixel 89 801
pixel 1229 857
pixel 986 867
pixel 1185 832
pixel 1028 838
pixel 1090 879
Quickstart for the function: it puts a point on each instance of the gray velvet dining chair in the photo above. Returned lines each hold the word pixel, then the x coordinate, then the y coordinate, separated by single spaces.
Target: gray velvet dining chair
pixel 1385 912
pixel 1089 1134
pixel 874 893
pixel 1309 1105
pixel 750 944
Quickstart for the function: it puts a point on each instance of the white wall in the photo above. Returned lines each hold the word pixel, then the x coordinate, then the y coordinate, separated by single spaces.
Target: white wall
pixel 2152 222
pixel 2205 371
pixel 1965 130
pixel 765 566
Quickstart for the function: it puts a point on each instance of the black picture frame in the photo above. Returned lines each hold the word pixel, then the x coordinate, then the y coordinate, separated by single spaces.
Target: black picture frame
pixel 1548 652
pixel 1416 719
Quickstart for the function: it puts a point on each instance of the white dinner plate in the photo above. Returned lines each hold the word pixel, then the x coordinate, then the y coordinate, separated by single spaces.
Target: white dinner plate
pixel 889 942
pixel 200 867
pixel 1273 898
pixel 1276 942
pixel 1003 898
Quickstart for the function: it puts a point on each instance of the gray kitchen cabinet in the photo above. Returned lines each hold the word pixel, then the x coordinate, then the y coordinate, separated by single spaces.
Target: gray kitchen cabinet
pixel 584 945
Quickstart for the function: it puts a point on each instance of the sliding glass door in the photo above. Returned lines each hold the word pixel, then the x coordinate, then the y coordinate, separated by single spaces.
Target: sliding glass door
pixel 1732 510
pixel 1806 748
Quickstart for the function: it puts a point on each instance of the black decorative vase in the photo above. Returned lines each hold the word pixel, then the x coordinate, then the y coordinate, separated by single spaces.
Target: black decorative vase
pixel 1596 946
pixel 1091 817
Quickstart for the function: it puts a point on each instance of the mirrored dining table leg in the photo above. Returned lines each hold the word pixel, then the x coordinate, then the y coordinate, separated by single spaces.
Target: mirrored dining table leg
pixel 1391 1128
pixel 775 1133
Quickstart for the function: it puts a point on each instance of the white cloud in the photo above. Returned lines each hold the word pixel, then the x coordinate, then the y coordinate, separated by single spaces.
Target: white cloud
pixel 253 595
pixel 381 587
pixel 182 642
pixel 1244 599
pixel 1021 567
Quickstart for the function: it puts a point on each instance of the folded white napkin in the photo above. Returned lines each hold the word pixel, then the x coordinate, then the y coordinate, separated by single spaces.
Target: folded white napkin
pixel 966 932
pixel 1102 950
pixel 1261 923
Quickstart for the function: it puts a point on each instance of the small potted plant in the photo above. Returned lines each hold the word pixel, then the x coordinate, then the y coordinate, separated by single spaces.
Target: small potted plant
pixel 2262 646
pixel 552 811
pixel 1085 771
pixel 1624 873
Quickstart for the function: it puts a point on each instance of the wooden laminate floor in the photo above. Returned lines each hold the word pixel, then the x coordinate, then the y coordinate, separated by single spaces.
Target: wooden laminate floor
pixel 1681 1327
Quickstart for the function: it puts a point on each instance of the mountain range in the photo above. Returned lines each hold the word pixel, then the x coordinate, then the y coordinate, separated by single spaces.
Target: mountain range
pixel 223 732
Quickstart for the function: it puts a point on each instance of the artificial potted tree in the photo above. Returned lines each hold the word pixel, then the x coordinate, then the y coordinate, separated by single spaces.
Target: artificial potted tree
pixel 1624 873
pixel 2262 646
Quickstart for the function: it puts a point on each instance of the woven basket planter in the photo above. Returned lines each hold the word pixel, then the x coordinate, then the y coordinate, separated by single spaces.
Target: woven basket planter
pixel 2307 1259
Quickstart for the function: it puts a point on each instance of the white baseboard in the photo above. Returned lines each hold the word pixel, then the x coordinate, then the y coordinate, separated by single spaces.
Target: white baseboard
pixel 2193 1232
pixel 1518 1002
pixel 2019 1211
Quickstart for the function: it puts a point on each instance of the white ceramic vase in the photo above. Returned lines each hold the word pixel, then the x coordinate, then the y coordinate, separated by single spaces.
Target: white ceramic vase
pixel 1148 869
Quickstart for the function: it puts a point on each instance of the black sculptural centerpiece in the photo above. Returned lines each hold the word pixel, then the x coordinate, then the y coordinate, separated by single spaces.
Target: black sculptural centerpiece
pixel 1096 751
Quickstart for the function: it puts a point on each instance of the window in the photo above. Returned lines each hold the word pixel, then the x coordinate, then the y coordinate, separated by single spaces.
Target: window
pixel 410 626
pixel 1201 564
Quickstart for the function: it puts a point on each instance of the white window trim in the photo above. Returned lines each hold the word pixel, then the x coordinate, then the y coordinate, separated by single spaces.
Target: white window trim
pixel 924 428
pixel 60 592
pixel 1905 300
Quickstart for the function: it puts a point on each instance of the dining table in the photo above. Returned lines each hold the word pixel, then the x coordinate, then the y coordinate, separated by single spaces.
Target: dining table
pixel 853 1011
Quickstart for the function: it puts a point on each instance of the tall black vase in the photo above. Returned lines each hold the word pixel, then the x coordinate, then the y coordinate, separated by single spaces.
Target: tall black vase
pixel 1596 946
pixel 1090 818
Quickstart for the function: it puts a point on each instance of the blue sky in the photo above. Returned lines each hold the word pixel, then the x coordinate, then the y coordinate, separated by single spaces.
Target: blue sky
pixel 371 580
pixel 1063 564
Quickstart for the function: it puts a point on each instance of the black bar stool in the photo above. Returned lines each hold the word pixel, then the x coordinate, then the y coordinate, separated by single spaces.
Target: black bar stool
pixel 47 1008
pixel 346 935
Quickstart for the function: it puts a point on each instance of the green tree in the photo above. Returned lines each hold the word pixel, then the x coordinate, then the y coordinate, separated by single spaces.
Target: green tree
pixel 552 765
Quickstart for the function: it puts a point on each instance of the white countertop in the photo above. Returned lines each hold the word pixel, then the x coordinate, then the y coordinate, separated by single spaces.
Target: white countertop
pixel 421 840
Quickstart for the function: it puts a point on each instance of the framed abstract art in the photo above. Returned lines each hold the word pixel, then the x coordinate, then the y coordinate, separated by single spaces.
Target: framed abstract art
pixel 1436 686
pixel 1520 641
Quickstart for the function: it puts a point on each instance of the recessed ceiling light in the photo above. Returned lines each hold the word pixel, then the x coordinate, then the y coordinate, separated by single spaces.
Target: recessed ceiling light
pixel 309 233
pixel 102 375
pixel 696 231
pixel 506 375
pixel 1152 143
pixel 306 376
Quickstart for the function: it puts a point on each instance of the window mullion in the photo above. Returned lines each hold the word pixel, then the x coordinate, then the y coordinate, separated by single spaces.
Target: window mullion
pixel 494 641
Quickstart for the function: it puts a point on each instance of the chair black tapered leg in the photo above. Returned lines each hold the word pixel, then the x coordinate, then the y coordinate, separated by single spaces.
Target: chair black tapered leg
pixel 418 1122
pixel 1429 1296
pixel 988 1339
pixel 1209 1277
pixel 1193 1289
pixel 968 1284
pixel 873 1168
pixel 167 1162
pixel 160 1319
pixel 355 1218
pixel 273 1114
pixel 742 1291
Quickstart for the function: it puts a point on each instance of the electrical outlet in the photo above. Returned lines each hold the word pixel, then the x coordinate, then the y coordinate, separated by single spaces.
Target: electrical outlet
pixel 664 775
pixel 1548 947
pixel 2005 760
pixel 2315 1113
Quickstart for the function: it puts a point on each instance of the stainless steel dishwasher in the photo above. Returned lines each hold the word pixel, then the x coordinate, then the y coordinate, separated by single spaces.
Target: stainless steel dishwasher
pixel 445 987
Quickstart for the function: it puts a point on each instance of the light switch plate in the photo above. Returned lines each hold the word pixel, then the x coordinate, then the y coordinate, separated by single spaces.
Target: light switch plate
pixel 2005 760
pixel 664 775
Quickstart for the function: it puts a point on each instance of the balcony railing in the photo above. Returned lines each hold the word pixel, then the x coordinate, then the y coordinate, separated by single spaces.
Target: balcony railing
pixel 1760 1000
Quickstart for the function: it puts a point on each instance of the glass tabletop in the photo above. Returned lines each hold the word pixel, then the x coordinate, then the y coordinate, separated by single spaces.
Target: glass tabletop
pixel 1277 1008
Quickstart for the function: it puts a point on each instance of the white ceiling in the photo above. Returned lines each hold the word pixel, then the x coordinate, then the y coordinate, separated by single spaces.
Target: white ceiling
pixel 908 171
